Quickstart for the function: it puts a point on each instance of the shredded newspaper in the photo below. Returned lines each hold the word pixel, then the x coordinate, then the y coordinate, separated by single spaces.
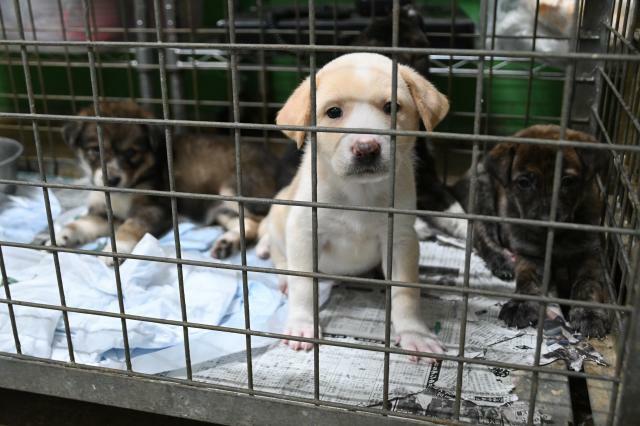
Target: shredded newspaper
pixel 355 377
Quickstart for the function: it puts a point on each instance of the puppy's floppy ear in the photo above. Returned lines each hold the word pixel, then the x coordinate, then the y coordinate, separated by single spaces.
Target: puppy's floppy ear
pixel 295 112
pixel 157 139
pixel 499 160
pixel 432 105
pixel 594 161
pixel 154 133
pixel 71 133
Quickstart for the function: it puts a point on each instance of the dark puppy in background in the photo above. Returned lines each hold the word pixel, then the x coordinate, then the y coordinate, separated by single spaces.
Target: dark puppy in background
pixel 516 180
pixel 411 30
pixel 432 193
pixel 136 157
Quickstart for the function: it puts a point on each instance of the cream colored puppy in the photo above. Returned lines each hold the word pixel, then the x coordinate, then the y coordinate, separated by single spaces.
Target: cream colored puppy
pixel 354 91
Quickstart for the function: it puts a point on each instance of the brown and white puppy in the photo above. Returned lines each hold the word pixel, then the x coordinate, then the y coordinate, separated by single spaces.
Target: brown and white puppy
pixel 354 91
pixel 136 157
pixel 516 180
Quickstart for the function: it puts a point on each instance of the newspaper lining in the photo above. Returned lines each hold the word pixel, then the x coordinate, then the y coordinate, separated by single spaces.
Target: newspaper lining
pixel 355 377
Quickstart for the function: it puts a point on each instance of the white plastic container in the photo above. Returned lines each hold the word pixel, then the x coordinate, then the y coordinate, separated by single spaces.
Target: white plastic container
pixel 10 151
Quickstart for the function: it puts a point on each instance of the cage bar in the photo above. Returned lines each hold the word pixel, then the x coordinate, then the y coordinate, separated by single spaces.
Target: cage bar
pixel 105 179
pixel 392 199
pixel 43 177
pixel 243 249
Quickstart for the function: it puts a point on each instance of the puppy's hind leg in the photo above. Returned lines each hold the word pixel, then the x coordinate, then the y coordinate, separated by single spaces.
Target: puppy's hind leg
pixel 229 242
pixel 280 262
pixel 263 248
pixel 150 219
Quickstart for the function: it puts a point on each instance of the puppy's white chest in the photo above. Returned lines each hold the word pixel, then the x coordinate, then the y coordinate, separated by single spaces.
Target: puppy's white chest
pixel 348 243
pixel 120 203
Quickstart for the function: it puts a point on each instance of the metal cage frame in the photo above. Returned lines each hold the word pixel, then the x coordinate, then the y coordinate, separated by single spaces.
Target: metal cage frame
pixel 603 60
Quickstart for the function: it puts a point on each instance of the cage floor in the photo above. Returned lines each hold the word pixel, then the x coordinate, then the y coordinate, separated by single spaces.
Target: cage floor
pixel 357 315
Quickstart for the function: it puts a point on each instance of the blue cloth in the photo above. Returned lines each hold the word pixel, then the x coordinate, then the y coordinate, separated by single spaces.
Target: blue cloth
pixel 213 296
pixel 23 216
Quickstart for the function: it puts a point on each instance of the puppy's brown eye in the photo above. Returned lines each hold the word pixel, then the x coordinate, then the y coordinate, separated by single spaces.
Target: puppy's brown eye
pixel 334 112
pixel 524 182
pixel 129 154
pixel 387 108
pixel 568 181
pixel 132 157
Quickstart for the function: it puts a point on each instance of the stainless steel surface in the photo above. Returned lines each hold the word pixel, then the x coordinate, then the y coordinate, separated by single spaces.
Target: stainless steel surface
pixel 180 398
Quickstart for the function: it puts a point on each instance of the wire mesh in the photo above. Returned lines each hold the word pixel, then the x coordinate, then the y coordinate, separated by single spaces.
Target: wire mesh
pixel 165 47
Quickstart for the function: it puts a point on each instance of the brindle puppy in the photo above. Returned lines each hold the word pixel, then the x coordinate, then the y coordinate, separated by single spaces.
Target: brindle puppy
pixel 136 157
pixel 516 181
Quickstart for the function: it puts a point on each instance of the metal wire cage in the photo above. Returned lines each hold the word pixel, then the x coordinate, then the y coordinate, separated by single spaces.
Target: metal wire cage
pixel 204 65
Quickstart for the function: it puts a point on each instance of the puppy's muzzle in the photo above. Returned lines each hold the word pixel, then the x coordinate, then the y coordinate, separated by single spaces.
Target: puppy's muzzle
pixel 366 151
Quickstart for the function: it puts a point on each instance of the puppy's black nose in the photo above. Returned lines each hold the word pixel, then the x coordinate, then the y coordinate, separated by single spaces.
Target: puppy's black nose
pixel 113 181
pixel 366 150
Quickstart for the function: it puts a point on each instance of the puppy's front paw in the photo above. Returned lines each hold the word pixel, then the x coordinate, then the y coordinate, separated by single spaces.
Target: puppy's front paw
pixel 504 271
pixel 226 245
pixel 420 342
pixel 518 313
pixel 69 236
pixel 590 322
pixel 299 329
pixel 502 266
